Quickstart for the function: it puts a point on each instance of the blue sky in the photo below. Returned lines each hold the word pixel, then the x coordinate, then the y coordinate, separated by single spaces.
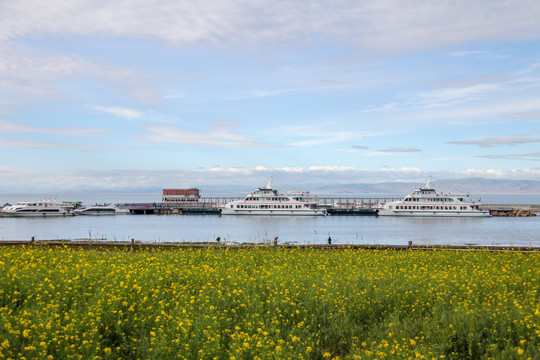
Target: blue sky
pixel 195 93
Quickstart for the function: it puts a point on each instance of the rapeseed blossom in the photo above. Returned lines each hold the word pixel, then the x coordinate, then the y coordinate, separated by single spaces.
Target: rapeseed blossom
pixel 264 304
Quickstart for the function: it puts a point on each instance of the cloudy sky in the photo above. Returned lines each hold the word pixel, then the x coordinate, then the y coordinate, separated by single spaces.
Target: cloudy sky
pixel 176 93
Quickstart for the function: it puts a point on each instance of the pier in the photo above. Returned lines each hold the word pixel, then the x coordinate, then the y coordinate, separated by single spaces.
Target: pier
pixel 336 205
pixel 212 205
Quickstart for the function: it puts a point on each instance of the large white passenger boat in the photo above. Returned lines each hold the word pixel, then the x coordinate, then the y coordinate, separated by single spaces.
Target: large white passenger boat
pixel 99 210
pixel 42 208
pixel 268 201
pixel 425 201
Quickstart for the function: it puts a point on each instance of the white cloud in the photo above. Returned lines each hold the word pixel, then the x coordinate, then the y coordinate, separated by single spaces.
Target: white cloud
pixel 12 178
pixel 534 156
pixel 401 149
pixel 13 143
pixel 523 115
pixel 386 25
pixel 222 135
pixel 26 73
pixel 120 112
pixel 486 99
pixel 320 134
pixel 499 141
pixel 468 53
pixel 20 128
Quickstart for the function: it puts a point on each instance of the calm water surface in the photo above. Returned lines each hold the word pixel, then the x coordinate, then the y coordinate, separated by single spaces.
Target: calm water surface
pixel 298 230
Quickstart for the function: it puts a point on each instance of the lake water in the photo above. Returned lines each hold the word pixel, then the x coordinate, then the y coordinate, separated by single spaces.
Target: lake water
pixel 498 231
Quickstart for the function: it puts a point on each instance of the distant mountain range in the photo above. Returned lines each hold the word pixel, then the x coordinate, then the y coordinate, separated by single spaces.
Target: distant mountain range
pixel 471 185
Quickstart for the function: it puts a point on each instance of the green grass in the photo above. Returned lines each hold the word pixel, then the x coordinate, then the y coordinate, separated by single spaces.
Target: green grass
pixel 268 304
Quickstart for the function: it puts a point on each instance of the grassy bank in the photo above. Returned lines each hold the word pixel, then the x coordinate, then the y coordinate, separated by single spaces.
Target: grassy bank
pixel 260 303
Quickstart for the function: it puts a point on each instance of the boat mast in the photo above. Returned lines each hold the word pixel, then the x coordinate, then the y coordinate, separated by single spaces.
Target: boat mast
pixel 269 183
pixel 428 183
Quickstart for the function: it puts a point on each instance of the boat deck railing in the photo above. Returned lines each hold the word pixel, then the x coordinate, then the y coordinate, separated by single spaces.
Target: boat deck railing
pixel 367 202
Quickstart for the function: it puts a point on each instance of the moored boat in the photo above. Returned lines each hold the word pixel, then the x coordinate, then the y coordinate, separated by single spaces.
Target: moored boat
pixel 425 201
pixel 42 208
pixel 268 201
pixel 99 210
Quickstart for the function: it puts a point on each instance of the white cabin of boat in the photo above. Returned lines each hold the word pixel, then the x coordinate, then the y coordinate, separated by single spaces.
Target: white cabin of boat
pixel 425 201
pixel 268 201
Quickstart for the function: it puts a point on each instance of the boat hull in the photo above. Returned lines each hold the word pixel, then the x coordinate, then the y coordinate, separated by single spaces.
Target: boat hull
pixel 227 211
pixel 101 213
pixel 36 214
pixel 433 213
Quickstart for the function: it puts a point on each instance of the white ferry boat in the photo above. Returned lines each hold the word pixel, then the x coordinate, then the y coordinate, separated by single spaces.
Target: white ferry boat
pixel 268 201
pixel 42 208
pixel 425 201
pixel 99 210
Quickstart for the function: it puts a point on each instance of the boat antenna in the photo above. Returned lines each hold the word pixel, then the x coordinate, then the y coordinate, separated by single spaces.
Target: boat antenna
pixel 428 183
pixel 269 183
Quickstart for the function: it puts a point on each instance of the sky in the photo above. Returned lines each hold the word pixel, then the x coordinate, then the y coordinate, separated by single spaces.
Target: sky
pixel 173 93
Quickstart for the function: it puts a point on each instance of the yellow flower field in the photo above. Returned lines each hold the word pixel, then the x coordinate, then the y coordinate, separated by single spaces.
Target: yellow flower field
pixel 222 303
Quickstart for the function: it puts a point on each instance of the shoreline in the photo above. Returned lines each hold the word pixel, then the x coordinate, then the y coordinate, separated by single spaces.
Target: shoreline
pixel 136 245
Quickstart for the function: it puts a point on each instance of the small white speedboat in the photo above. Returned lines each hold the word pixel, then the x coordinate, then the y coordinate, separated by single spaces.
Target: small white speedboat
pixel 41 208
pixel 98 210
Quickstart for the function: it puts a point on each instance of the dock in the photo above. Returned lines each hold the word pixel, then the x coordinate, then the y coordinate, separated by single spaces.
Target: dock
pixel 212 205
pixel 336 205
